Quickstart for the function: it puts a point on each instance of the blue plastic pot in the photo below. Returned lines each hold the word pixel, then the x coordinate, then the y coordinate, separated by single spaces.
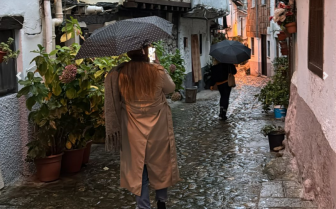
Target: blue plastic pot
pixel 279 112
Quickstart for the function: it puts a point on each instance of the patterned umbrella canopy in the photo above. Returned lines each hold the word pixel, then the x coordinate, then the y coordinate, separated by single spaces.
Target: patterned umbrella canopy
pixel 232 52
pixel 124 36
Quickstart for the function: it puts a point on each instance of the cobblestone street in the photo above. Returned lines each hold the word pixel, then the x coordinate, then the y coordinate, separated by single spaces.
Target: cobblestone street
pixel 221 164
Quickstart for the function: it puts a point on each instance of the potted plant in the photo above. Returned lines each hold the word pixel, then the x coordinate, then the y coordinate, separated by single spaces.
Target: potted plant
pixel 284 51
pixel 46 149
pixel 207 75
pixel 6 52
pixel 285 17
pixel 74 153
pixel 276 92
pixel 282 36
pixel 173 62
pixel 283 44
pixel 275 134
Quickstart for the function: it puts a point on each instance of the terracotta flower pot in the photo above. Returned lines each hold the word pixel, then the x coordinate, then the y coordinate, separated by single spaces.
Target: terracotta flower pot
pixel 282 36
pixel 72 160
pixel 49 168
pixel 291 27
pixel 87 152
pixel 283 44
pixel 2 54
pixel 284 51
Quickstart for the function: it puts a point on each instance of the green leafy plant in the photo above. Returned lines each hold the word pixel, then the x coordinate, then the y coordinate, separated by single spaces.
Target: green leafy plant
pixel 276 92
pixel 71 29
pixel 238 38
pixel 66 98
pixel 10 54
pixel 267 129
pixel 207 74
pixel 173 63
pixel 219 38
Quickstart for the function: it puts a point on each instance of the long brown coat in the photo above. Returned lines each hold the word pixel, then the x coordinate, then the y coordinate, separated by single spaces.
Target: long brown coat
pixel 148 138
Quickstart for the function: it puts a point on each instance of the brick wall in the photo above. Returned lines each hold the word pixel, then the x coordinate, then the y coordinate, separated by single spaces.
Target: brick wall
pixel 263 18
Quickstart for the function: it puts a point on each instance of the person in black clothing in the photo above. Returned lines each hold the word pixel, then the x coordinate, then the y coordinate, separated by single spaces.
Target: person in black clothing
pixel 219 76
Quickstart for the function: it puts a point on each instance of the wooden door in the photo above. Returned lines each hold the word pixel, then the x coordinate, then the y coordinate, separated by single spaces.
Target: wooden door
pixel 263 55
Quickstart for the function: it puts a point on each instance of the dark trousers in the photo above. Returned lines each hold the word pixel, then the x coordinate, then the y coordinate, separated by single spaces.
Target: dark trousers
pixel 143 201
pixel 224 91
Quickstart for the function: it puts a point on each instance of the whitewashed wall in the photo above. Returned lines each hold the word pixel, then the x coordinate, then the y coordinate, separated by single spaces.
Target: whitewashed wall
pixel 187 27
pixel 319 94
pixel 13 114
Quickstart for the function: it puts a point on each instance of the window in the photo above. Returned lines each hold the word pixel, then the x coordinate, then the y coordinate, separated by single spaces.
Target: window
pixel 201 43
pixel 277 48
pixel 252 46
pixel 263 2
pixel 268 49
pixel 8 81
pixel 242 27
pixel 253 4
pixel 185 42
pixel 315 37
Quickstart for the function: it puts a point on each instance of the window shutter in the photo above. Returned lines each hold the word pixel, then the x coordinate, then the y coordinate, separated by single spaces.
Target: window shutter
pixel 315 39
pixel 8 80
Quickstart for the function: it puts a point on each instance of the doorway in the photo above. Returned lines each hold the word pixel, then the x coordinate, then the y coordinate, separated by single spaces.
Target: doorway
pixel 263 55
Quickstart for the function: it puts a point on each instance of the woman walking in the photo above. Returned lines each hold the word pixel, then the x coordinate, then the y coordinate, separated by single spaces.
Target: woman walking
pixel 139 125
pixel 219 77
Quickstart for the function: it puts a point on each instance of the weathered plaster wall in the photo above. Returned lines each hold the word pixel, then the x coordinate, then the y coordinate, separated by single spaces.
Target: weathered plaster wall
pixel 255 61
pixel 187 27
pixel 13 114
pixel 311 123
pixel 319 94
pixel 315 158
pixel 32 32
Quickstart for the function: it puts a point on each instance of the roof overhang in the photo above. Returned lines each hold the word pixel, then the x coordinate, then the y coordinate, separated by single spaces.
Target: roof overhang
pixel 158 5
pixel 238 2
pixel 205 12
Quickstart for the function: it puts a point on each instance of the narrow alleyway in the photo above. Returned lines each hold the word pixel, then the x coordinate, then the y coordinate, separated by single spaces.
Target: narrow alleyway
pixel 221 162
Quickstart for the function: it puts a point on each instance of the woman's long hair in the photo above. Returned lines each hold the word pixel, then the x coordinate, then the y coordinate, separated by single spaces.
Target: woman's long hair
pixel 138 78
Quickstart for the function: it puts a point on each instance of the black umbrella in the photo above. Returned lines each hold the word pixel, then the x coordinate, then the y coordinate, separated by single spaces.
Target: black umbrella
pixel 124 36
pixel 232 52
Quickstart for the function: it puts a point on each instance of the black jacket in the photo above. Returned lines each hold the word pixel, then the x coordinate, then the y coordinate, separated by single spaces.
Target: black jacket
pixel 220 72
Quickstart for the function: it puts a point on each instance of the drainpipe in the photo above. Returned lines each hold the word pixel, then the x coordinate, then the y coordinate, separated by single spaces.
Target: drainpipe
pixel 257 34
pixel 51 23
pixel 48 23
pixel 94 10
pixel 57 20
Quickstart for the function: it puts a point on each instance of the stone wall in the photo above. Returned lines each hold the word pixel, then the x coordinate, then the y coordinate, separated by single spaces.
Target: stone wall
pixel 14 135
pixel 170 44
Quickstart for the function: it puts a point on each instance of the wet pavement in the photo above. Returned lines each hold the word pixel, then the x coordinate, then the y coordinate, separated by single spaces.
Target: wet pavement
pixel 221 163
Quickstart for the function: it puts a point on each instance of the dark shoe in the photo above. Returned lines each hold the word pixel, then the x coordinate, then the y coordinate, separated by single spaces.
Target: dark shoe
pixel 222 114
pixel 161 205
pixel 224 117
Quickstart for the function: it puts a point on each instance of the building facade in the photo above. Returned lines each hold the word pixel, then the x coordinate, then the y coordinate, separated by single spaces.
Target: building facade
pixel 21 20
pixel 237 19
pixel 311 119
pixel 262 36
pixel 195 37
